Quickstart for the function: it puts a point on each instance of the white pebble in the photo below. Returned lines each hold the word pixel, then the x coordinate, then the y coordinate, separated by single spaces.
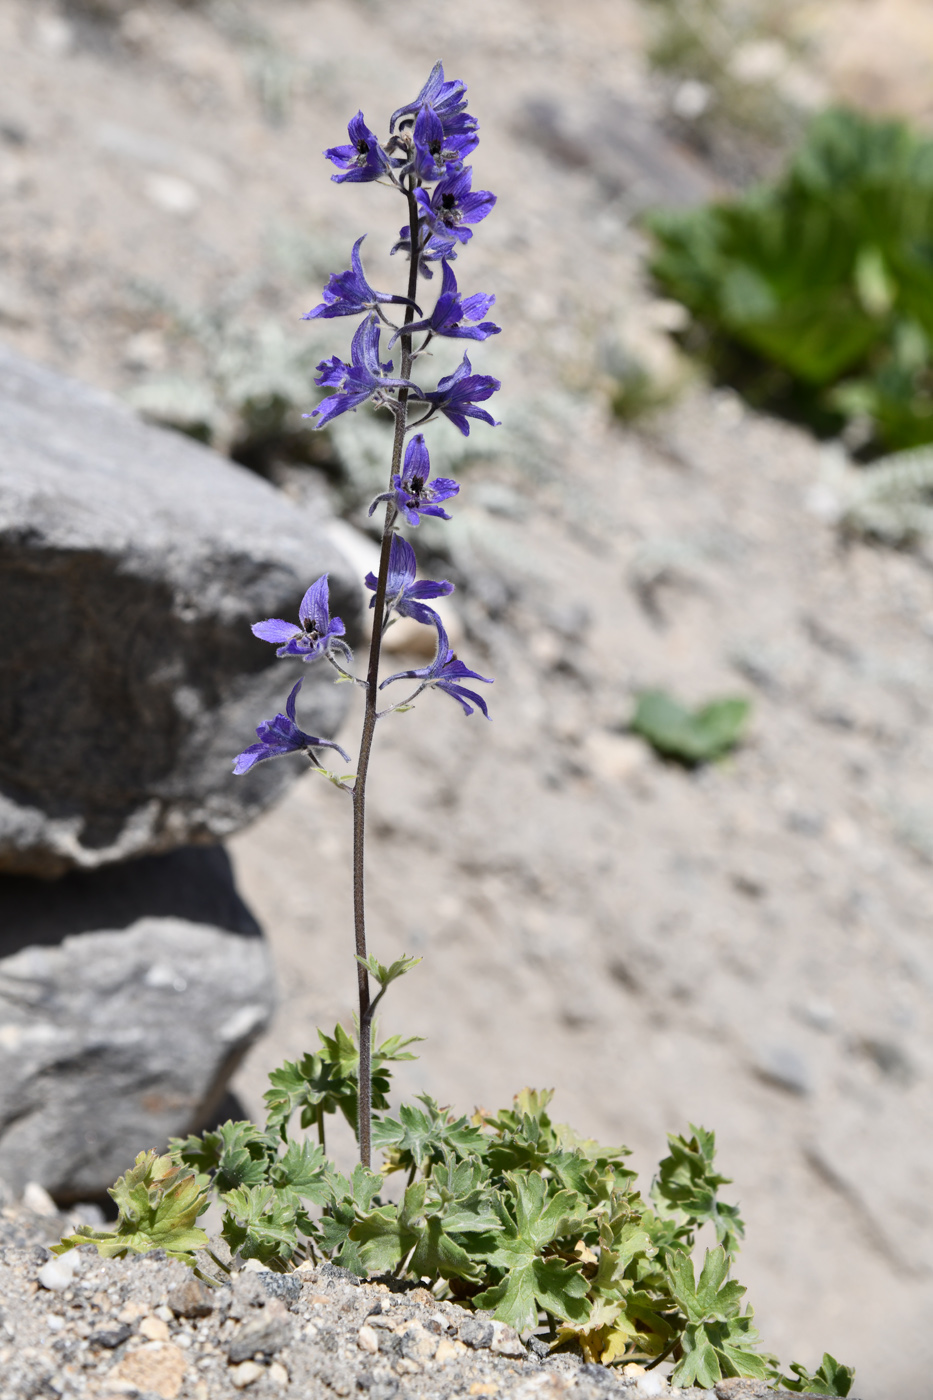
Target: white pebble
pixel 38 1200
pixel 244 1374
pixel 58 1274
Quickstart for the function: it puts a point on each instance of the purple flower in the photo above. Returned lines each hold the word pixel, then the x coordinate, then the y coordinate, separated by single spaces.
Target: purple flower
pixel 363 159
pixel 359 380
pixel 348 293
pixel 446 672
pixel 280 736
pixel 448 100
pixel 402 592
pixel 452 204
pixel 434 247
pixel 457 394
pixel 451 310
pixel 413 492
pixel 318 634
pixel 429 163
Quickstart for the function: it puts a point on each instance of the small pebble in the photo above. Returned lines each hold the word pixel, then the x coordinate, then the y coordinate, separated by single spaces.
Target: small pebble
pixel 243 1375
pixel 367 1340
pixel 58 1274
pixel 154 1329
pixel 38 1200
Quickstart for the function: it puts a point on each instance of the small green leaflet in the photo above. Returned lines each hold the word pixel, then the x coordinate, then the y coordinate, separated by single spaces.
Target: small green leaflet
pixel 236 1153
pixel 159 1203
pixel 831 1379
pixel 386 975
pixel 418 1136
pixel 532 1282
pixel 691 736
pixel 717 1341
pixel 687 1182
pixel 259 1223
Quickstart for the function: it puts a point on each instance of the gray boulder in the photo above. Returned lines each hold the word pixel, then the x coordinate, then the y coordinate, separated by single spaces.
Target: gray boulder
pixel 132 562
pixel 127 998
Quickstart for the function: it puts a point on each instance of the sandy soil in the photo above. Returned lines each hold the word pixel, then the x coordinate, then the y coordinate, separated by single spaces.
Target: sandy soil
pixel 747 946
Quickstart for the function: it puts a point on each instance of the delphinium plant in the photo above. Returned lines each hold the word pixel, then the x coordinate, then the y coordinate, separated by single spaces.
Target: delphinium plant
pixel 505 1211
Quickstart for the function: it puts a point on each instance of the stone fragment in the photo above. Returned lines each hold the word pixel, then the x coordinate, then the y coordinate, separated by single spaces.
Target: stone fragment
pixel 367 1340
pixel 447 1349
pixel 417 1343
pixel 154 1329
pixel 506 1341
pixel 113 1039
pixel 191 1298
pixel 278 1373
pixel 268 1331
pixel 157 1367
pixel 741 1388
pixel 132 1312
pixel 245 1374
pixel 148 556
pixel 477 1332
pixel 38 1200
pixel 111 1335
pixel 287 1287
pixel 59 1273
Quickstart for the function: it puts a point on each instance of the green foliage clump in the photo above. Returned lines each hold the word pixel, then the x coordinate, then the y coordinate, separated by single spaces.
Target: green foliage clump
pixel 506 1211
pixel 814 293
pixel 689 736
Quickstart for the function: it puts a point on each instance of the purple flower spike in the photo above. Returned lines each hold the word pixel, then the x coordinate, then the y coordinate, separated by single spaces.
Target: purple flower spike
pixel 318 634
pixel 363 159
pixel 446 672
pixel 348 293
pixel 280 736
pixel 402 592
pixel 452 204
pixel 457 394
pixel 452 310
pixel 448 99
pixel 359 380
pixel 413 492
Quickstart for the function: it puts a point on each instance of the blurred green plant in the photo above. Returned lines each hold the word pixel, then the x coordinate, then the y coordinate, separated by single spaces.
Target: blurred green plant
pixel 814 294
pixel 506 1211
pixel 247 388
pixel 690 736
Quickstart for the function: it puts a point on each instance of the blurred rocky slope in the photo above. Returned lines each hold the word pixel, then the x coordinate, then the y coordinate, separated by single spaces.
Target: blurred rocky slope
pixel 746 946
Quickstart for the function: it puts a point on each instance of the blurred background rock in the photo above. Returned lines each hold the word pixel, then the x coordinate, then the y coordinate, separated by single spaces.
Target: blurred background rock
pixel 742 943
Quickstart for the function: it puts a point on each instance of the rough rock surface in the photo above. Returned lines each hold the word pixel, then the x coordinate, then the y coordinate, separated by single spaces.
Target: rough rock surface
pixel 144 1327
pixel 132 563
pixel 127 998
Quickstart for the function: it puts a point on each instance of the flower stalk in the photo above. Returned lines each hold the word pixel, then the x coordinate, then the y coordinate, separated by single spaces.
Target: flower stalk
pixel 433 136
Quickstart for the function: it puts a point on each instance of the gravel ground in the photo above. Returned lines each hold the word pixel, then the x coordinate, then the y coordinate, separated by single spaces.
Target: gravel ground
pixel 145 1327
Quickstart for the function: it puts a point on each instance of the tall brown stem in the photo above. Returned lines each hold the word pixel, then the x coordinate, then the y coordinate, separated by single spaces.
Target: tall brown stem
pixel 369 721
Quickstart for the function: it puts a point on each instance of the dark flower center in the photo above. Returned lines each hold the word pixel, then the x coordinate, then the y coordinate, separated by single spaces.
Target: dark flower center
pixel 363 147
pixel 417 485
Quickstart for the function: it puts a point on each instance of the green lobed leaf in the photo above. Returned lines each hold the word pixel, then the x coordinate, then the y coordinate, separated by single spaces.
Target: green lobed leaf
pixel 831 1378
pixel 687 1183
pixel 691 736
pixel 158 1204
